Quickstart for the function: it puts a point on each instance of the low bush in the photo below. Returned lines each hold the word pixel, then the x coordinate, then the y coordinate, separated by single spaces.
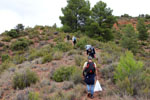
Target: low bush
pixel 76 77
pixel 33 96
pixel 21 44
pixel 64 46
pixel 13 33
pixel 25 79
pixel 57 55
pixel 5 57
pixel 47 58
pixel 5 65
pixel 130 76
pixel 67 85
pixel 63 73
pixel 18 59
pixel 79 60
pixel 6 39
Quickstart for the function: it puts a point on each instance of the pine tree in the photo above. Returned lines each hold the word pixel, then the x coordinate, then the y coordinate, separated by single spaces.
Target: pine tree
pixel 141 27
pixel 102 21
pixel 76 14
pixel 130 38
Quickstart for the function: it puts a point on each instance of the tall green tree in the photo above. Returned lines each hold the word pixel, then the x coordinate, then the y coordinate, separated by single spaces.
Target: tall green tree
pixel 141 27
pixel 102 22
pixel 130 38
pixel 76 14
pixel 20 27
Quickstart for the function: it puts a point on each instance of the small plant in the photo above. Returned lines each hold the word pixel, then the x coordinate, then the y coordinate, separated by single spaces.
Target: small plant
pixel 18 59
pixel 5 57
pixel 47 58
pixel 33 96
pixel 6 38
pixel 57 55
pixel 63 73
pixel 21 44
pixel 79 60
pixel 63 46
pixel 13 33
pixel 5 65
pixel 25 79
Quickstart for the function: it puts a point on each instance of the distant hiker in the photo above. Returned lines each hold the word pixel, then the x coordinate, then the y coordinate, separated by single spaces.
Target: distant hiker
pixel 90 51
pixel 87 48
pixel 74 40
pixel 68 37
pixel 89 73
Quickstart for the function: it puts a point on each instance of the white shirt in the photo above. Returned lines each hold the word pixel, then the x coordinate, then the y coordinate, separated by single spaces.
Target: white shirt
pixel 85 65
pixel 88 47
pixel 73 38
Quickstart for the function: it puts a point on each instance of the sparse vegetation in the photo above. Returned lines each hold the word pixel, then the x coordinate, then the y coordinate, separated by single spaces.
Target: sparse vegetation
pixel 25 79
pixel 63 73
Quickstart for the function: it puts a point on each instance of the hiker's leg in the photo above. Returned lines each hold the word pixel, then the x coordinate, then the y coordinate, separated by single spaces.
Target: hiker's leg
pixel 92 89
pixel 88 88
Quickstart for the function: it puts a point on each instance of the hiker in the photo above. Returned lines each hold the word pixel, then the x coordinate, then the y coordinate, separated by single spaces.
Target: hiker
pixel 74 40
pixel 68 37
pixel 90 51
pixel 87 48
pixel 89 73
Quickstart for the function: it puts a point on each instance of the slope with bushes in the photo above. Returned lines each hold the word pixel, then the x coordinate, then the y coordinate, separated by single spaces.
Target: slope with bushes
pixel 41 65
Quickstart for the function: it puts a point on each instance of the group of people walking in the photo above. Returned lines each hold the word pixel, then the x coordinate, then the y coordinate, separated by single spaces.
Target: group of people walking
pixel 89 68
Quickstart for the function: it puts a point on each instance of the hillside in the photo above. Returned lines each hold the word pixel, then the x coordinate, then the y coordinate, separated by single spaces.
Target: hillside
pixel 42 52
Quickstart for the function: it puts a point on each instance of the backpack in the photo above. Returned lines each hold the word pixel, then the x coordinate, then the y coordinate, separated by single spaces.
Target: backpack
pixel 90 69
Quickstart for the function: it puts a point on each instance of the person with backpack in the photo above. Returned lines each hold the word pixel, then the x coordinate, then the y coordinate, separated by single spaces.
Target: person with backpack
pixel 89 74
pixel 68 37
pixel 91 52
pixel 87 47
pixel 74 40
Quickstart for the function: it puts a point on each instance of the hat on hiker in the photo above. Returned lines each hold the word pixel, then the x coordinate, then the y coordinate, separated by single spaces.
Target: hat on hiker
pixel 89 58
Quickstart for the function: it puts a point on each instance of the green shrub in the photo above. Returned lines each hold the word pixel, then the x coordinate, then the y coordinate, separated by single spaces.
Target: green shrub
pixel 47 58
pixel 34 53
pixel 79 60
pixel 63 73
pixel 6 38
pixel 13 33
pixel 5 65
pixel 33 96
pixel 64 46
pixel 57 55
pixel 18 59
pixel 76 77
pixel 130 76
pixel 5 57
pixel 129 39
pixel 25 79
pixel 21 44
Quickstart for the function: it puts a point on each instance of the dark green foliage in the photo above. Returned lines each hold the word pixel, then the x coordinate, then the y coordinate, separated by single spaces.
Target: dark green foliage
pixel 63 73
pixel 141 27
pixel 101 23
pixel 19 27
pixel 13 33
pixel 21 44
pixel 129 39
pixel 126 16
pixel 25 79
pixel 76 14
pixel 5 57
